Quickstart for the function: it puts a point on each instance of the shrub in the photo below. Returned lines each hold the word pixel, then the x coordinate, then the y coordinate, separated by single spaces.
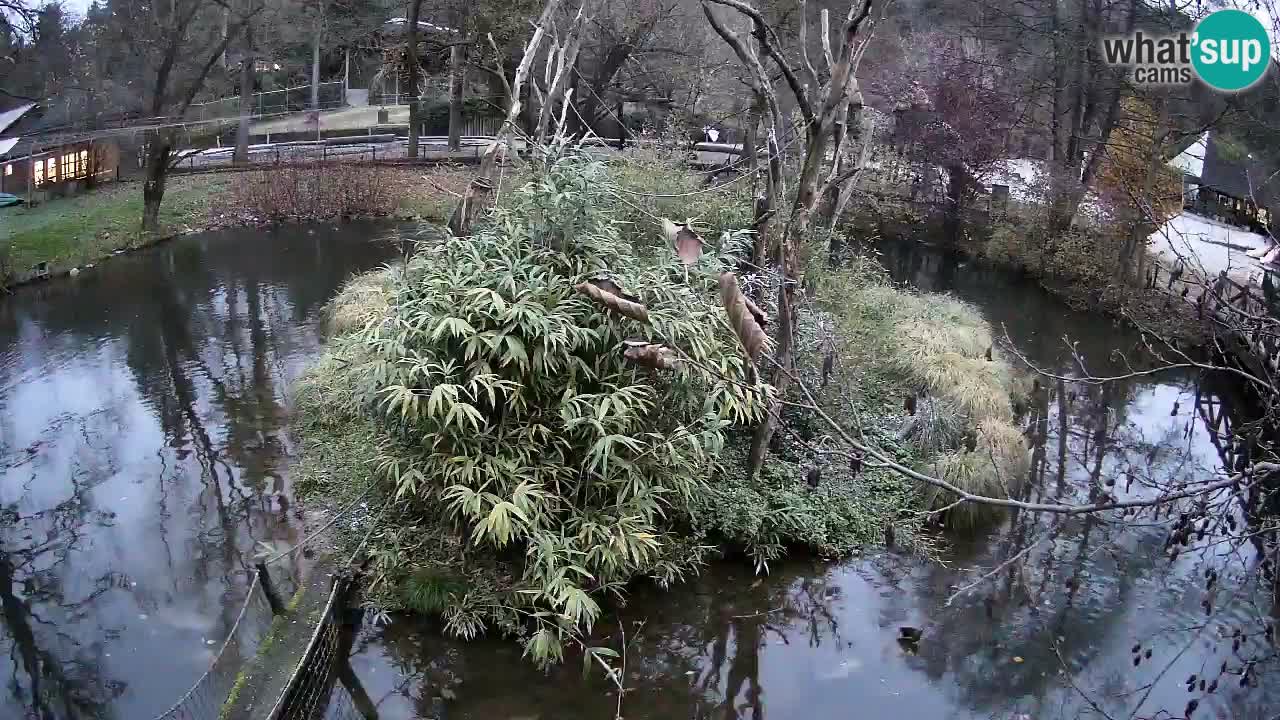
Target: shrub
pixel 936 345
pixel 361 301
pixel 314 191
pixel 648 177
pixel 508 404
pixel 996 467
pixel 435 113
pixel 533 471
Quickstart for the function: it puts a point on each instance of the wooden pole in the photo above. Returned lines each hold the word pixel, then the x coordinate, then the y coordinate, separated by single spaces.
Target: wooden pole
pixel 269 589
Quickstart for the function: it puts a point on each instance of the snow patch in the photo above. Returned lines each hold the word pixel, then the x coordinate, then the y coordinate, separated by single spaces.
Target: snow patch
pixel 1207 245
pixel 1191 160
pixel 1022 176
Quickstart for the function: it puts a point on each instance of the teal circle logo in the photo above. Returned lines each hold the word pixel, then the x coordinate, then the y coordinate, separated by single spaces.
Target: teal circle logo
pixel 1231 50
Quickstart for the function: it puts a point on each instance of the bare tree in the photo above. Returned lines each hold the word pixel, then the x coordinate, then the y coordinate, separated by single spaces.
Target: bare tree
pixel 248 63
pixel 554 86
pixel 414 67
pixel 825 106
pixel 182 45
pixel 479 196
pixel 17 18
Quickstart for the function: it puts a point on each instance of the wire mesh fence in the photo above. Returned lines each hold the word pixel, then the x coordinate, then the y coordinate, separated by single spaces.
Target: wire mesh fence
pixel 205 698
pixel 323 686
pixel 342 706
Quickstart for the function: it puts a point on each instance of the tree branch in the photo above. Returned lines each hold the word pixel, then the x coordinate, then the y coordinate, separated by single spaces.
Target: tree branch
pixel 765 35
pixel 804 46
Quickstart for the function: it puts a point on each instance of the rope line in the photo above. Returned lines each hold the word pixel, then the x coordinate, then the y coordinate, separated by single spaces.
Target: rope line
pixel 253 586
pixel 322 528
pixel 255 593
pixel 289 695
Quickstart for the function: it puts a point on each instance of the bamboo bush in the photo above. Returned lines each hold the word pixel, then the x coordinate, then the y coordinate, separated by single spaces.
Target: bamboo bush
pixel 557 405
pixel 507 403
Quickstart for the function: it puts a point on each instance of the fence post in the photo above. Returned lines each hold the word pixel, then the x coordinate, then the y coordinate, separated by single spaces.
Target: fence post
pixel 269 589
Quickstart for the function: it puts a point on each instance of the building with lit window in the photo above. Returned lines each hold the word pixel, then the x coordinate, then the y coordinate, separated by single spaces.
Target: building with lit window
pixel 1225 181
pixel 37 165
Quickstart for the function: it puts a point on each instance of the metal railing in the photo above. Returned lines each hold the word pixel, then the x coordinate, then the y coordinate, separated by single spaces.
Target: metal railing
pixel 271 102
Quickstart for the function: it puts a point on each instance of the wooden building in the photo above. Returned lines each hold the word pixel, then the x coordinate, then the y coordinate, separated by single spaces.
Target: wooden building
pixel 37 170
pixel 1229 184
pixel 37 163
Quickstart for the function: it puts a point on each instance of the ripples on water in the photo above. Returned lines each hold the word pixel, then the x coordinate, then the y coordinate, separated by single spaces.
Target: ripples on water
pixel 142 412
pixel 142 418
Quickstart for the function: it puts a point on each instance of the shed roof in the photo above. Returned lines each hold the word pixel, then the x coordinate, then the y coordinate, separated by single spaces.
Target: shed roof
pixel 12 115
pixel 1245 177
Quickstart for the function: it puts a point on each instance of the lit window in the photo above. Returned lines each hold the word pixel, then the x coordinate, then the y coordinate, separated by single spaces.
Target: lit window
pixel 68 166
pixel 84 162
pixel 8 169
pixel 38 168
pixel 51 169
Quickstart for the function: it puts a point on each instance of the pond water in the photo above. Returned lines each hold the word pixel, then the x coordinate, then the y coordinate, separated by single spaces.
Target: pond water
pixel 142 434
pixel 1051 637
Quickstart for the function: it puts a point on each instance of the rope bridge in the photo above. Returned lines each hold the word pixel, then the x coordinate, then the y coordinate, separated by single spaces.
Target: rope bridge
pixel 321 684
pixel 205 698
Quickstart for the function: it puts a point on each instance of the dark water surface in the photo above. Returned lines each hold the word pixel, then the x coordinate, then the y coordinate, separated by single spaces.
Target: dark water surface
pixel 142 432
pixel 818 640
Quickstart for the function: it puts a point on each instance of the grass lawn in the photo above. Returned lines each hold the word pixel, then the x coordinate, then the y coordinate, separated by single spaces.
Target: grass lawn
pixel 81 229
pixel 85 227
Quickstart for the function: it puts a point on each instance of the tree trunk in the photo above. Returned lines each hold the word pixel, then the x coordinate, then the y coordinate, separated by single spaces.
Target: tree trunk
pixel 1142 224
pixel 754 115
pixel 797 229
pixel 565 59
pixel 457 82
pixel 827 205
pixel 157 171
pixel 315 65
pixel 241 155
pixel 480 195
pixel 411 59
pixel 781 380
pixel 837 193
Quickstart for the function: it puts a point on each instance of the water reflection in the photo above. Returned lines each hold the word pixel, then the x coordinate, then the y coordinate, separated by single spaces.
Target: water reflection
pixel 1037 619
pixel 142 435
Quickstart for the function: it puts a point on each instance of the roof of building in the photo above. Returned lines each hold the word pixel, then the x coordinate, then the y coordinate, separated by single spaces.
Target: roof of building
pixel 11 116
pixel 1191 160
pixel 1238 173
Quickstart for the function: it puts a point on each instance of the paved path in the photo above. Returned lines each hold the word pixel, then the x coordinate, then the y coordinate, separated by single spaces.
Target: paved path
pixel 431 148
